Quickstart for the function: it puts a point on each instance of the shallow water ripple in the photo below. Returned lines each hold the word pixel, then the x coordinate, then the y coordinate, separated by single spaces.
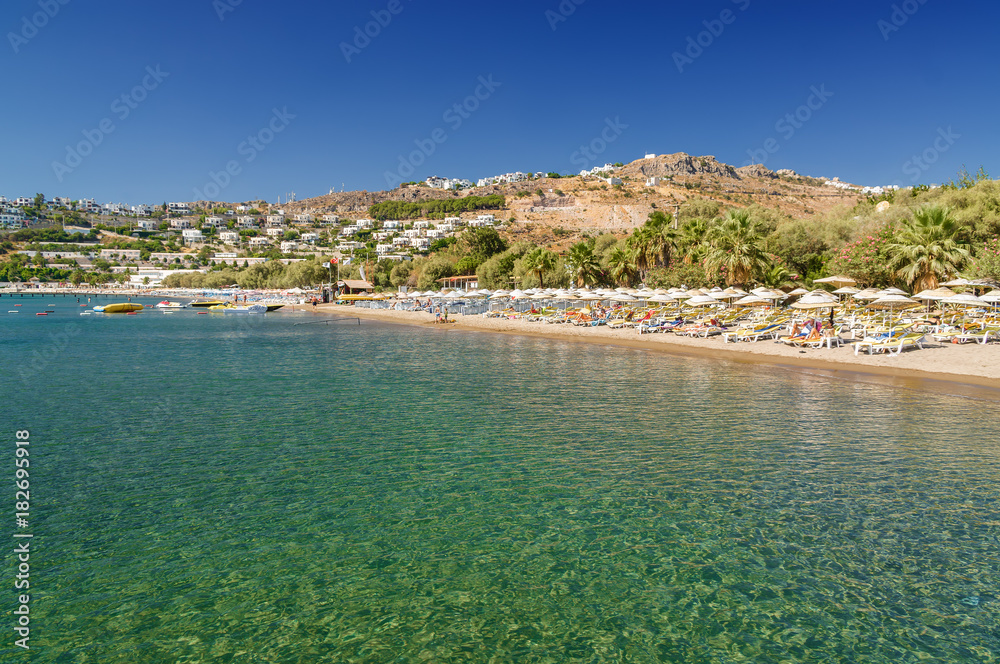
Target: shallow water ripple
pixel 384 494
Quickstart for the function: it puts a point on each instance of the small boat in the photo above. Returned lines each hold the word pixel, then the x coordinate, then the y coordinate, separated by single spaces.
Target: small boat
pixel 167 304
pixel 274 307
pixel 86 313
pixel 206 303
pixel 118 308
pixel 41 313
pixel 13 311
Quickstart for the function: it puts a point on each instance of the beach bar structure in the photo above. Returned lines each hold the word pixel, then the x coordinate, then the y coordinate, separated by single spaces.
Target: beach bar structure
pixel 467 282
pixel 354 287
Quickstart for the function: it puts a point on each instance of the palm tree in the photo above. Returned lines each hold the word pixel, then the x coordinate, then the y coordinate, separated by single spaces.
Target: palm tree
pixel 654 242
pixel 776 276
pixel 582 263
pixel 735 245
pixel 927 248
pixel 538 261
pixel 691 239
pixel 622 263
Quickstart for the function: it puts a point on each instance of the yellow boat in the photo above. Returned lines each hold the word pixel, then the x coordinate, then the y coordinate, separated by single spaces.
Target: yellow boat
pixel 118 308
pixel 207 303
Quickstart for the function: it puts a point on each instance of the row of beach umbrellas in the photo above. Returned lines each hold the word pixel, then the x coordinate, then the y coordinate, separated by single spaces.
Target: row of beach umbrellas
pixel 888 298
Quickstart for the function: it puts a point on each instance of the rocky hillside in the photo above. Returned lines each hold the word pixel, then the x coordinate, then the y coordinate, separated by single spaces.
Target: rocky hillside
pixel 578 204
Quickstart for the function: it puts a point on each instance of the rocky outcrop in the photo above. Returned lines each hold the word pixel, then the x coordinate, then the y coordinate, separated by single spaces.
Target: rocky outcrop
pixel 671 165
pixel 756 171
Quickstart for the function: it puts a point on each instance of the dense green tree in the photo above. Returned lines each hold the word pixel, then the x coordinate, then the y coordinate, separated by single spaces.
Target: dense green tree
pixel 400 274
pixel 483 242
pixel 498 271
pixel 437 267
pixel 438 208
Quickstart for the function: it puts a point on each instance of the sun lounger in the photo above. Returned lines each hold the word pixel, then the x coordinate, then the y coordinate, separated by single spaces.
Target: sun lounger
pixel 980 336
pixel 897 344
pixel 753 334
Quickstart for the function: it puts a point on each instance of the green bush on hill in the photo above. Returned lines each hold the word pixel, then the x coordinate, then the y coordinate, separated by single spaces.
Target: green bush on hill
pixel 435 209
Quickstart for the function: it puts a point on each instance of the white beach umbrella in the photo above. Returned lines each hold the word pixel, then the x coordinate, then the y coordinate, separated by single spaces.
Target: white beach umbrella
pixel 837 280
pixel 751 300
pixel 622 297
pixel 965 300
pixel 992 297
pixel 932 294
pixel 701 301
pixel 815 300
pixel 847 290
pixel 892 301
pixel 866 294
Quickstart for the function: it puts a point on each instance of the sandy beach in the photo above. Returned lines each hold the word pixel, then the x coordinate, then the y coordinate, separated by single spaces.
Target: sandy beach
pixel 949 365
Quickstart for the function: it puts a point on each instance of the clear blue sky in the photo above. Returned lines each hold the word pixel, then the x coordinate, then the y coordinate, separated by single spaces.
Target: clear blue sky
pixel 919 84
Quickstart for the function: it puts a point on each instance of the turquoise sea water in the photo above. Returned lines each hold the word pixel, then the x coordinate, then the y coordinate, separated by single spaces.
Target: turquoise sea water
pixel 210 488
